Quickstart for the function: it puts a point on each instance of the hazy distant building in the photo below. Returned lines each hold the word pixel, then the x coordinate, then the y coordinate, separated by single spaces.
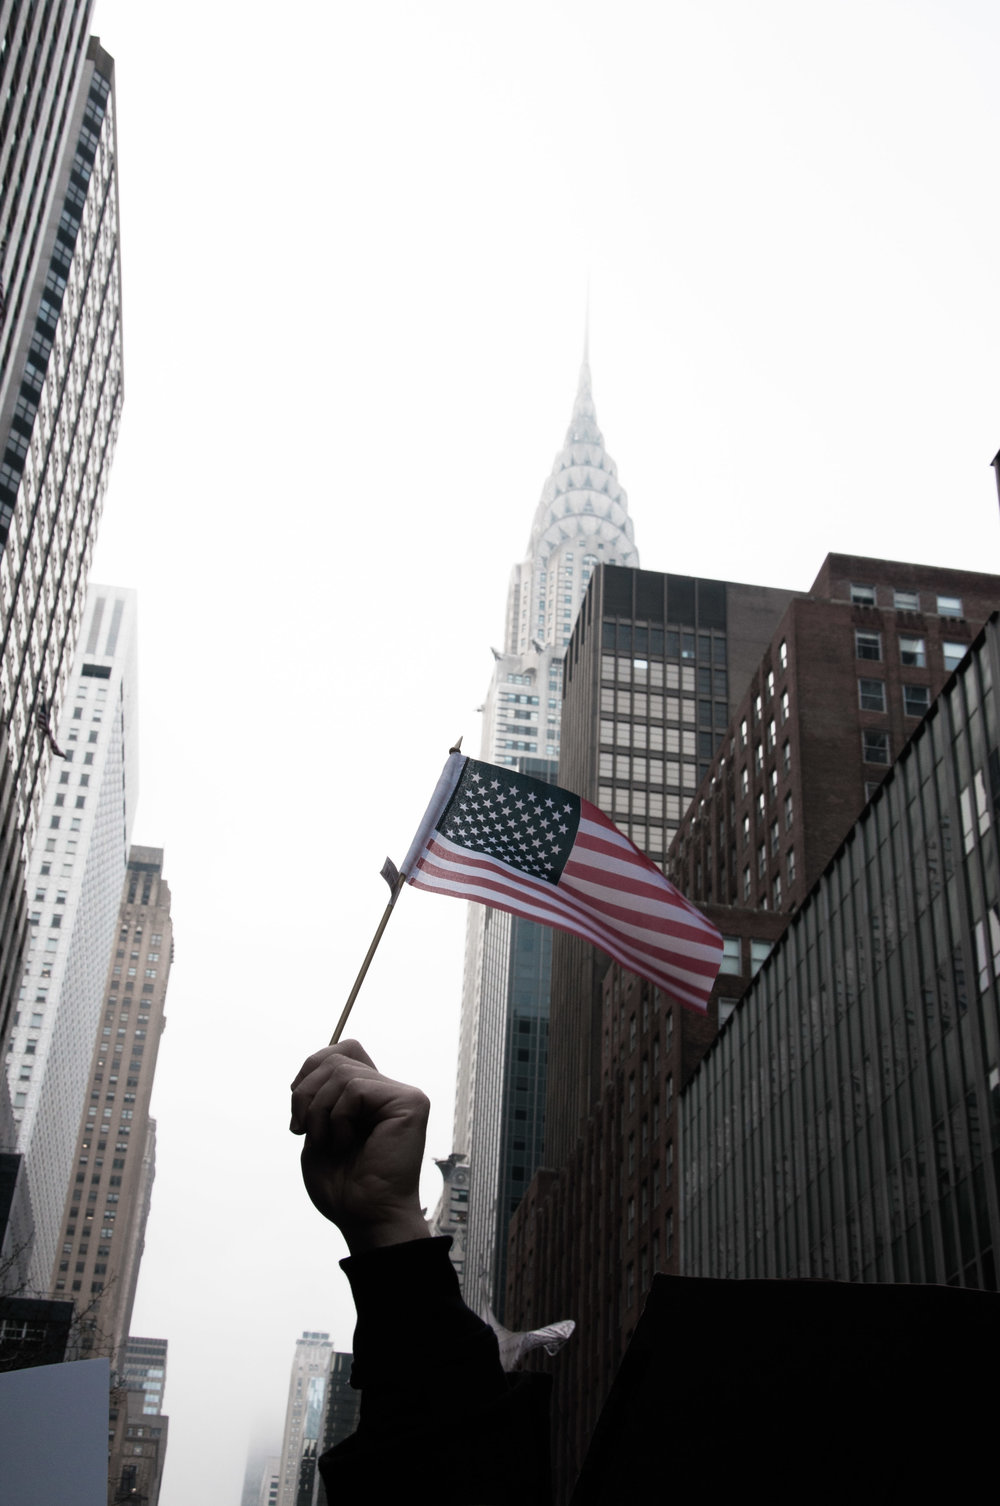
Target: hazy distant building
pixel 844 1124
pixel 76 873
pixel 106 1203
pixel 304 1412
pixel 60 397
pixel 581 521
pixel 261 1477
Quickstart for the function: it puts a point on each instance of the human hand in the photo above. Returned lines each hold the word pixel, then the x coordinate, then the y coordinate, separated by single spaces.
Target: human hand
pixel 364 1145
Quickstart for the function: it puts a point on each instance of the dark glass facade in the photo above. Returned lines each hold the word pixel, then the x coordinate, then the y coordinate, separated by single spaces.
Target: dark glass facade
pixel 846 1124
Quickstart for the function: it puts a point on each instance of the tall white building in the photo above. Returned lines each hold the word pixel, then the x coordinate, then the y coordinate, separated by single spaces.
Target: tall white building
pixel 304 1413
pixel 76 871
pixel 581 521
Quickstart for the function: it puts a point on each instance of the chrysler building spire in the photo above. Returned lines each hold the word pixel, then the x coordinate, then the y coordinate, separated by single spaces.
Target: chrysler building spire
pixel 581 521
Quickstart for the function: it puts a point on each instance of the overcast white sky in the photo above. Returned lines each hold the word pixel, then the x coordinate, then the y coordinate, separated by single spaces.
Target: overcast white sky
pixel 356 242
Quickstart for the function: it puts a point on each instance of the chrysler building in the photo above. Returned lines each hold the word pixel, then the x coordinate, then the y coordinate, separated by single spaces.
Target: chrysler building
pixel 581 521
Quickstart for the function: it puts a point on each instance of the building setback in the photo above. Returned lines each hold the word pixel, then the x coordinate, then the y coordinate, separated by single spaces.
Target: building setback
pixel 581 521
pixel 60 397
pixel 845 1123
pixel 107 1202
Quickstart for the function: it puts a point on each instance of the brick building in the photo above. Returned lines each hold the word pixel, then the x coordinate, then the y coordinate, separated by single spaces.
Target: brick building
pixel 842 686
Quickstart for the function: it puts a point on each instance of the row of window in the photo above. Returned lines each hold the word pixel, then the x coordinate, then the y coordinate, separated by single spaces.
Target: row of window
pixel 648 770
pixel 871 697
pixel 776 888
pixel 907 601
pixel 912 650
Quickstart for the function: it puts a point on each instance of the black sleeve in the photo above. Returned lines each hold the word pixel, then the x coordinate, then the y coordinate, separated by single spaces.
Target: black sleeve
pixel 438 1415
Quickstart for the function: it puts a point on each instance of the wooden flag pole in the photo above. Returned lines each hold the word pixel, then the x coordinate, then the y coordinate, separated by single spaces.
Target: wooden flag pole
pixel 397 888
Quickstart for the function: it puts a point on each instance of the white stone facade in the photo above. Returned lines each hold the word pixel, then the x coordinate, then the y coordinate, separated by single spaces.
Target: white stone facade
pixel 76 870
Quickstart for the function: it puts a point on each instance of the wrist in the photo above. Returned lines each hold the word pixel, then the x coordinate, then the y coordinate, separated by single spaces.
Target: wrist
pixel 396 1228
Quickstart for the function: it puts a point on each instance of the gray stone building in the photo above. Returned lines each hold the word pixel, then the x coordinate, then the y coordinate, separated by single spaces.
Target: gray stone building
pixel 846 1123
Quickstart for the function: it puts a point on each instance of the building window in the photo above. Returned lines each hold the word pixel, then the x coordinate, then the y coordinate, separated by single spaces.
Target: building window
pixel 746 831
pixel 744 783
pixel 791 866
pixel 786 756
pixel 775 835
pixel 761 860
pixel 770 682
pixel 772 734
pixel 913 652
pixel 875 746
pixel 916 699
pixel 759 953
pixel 906 601
pixel 871 695
pixel 777 891
pixel 746 883
pixel 954 653
pixel 783 654
pixel 949 606
pixel 788 810
pixel 731 962
pixel 868 645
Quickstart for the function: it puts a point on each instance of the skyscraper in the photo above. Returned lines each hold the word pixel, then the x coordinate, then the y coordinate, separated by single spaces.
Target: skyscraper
pixel 76 874
pixel 60 395
pixel 655 669
pixel 107 1196
pixel 304 1413
pixel 581 521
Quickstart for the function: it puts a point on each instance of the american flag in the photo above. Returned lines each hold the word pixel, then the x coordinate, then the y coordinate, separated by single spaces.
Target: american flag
pixel 520 845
